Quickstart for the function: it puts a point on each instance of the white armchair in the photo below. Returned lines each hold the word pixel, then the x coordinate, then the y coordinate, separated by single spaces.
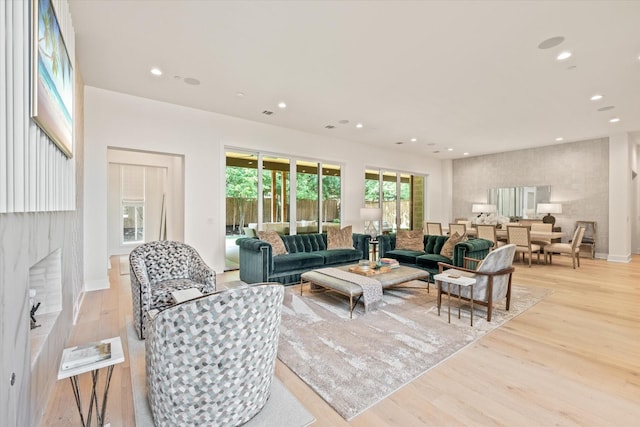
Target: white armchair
pixel 493 278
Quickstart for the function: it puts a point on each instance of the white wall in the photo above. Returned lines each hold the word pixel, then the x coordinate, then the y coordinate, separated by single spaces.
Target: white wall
pixel 117 120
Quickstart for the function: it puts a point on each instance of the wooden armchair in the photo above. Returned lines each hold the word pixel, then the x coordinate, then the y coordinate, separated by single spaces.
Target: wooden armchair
pixel 493 278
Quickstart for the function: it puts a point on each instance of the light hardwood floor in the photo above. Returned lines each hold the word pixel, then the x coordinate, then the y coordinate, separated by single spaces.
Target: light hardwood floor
pixel 571 360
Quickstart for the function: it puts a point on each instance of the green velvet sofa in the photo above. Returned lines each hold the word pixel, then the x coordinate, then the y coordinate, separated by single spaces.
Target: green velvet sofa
pixel 428 260
pixel 305 252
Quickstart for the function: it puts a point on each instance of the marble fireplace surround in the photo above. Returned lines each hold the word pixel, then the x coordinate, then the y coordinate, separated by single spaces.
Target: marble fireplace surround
pixel 26 239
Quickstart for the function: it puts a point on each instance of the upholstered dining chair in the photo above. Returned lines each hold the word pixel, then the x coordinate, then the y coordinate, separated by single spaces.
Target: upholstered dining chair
pixel 493 279
pixel 161 267
pixel 433 228
pixel 210 361
pixel 544 227
pixel 488 232
pixel 521 237
pixel 572 248
pixel 461 229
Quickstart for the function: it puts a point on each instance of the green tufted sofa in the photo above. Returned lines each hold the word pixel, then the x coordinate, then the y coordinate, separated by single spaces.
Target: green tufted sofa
pixel 305 252
pixel 428 260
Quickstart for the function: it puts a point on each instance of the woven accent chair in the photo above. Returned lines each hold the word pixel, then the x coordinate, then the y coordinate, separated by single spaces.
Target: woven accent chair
pixel 433 228
pixel 521 237
pixel 572 248
pixel 493 279
pixel 159 268
pixel 210 361
pixel 488 232
pixel 461 229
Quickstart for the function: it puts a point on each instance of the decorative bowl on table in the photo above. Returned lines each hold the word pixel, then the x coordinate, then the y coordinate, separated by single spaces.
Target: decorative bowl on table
pixel 364 264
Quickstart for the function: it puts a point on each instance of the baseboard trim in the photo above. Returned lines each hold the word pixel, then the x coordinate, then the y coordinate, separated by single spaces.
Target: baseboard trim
pixel 619 258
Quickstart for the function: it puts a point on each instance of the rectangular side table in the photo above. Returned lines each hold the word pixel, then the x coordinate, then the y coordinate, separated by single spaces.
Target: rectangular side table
pixel 453 277
pixel 117 356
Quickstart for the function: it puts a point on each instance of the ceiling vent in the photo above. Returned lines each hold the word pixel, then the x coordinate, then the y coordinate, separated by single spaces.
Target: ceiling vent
pixel 329 127
pixel 267 112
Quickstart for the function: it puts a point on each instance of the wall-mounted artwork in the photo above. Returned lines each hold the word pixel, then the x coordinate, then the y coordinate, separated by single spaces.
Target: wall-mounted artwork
pixel 51 77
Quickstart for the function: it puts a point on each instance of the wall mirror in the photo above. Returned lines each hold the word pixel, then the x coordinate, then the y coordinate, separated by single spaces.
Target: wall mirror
pixel 519 202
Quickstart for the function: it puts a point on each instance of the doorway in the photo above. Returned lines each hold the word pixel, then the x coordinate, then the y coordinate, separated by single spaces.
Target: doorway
pixel 145 199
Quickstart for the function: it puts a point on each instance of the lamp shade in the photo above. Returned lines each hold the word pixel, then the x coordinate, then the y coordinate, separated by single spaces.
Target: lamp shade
pixel 370 214
pixel 483 208
pixel 549 208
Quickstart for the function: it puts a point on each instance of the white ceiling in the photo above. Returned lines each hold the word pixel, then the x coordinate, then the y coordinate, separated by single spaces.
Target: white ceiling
pixel 466 75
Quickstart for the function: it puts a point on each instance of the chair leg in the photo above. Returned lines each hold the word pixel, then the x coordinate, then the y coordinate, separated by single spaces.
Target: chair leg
pixel 578 255
pixel 573 260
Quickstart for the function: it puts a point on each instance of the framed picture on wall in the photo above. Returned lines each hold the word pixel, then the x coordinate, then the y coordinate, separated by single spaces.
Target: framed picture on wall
pixel 51 77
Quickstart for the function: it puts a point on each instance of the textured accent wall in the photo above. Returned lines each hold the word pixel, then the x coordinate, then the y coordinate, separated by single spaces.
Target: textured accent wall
pixel 35 175
pixel 577 172
pixel 39 189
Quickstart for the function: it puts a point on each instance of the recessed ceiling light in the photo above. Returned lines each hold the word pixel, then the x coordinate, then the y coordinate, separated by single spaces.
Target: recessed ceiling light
pixel 240 94
pixel 558 139
pixel 343 121
pixel 399 143
pixel 607 108
pixel 282 104
pixel 614 120
pixel 596 97
pixel 329 126
pixel 414 139
pixel 551 42
pixel 431 144
pixel 563 55
pixel 156 71
pixel 436 152
pixel 449 149
pixel 465 154
pixel 359 125
pixel 267 112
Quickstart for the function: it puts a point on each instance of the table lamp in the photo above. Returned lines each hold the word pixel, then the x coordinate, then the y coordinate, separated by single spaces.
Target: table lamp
pixel 548 209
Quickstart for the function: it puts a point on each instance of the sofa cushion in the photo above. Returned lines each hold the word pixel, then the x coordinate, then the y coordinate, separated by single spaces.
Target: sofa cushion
pixel 275 240
pixel 297 261
pixel 411 240
pixel 339 238
pixel 447 248
pixel 431 260
pixel 340 256
pixel 404 256
pixel 433 244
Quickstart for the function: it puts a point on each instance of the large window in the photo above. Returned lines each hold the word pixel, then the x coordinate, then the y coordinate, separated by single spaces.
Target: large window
pixel 400 197
pixel 296 194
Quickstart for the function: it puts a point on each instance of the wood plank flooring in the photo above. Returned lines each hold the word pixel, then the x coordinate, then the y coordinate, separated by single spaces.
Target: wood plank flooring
pixel 571 360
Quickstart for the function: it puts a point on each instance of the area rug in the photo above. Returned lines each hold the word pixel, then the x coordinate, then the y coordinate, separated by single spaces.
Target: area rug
pixel 353 364
pixel 282 408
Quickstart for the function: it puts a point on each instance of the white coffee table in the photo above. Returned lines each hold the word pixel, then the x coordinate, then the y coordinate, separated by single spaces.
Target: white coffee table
pixel 453 277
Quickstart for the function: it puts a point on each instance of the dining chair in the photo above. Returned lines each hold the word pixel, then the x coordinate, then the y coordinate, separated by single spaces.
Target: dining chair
pixel 521 237
pixel 543 227
pixel 572 248
pixel 488 232
pixel 461 229
pixel 433 228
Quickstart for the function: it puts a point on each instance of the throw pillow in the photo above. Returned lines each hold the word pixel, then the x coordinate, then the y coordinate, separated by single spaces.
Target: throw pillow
pixel 447 248
pixel 410 240
pixel 275 240
pixel 339 238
